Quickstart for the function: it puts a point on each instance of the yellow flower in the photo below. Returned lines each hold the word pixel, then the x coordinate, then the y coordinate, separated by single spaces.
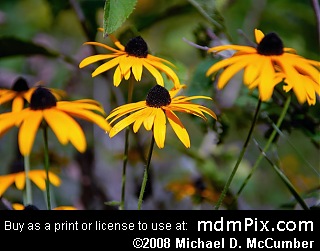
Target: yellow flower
pixel 37 176
pixel 18 206
pixel 21 92
pixel 130 59
pixel 159 106
pixel 57 115
pixel 267 65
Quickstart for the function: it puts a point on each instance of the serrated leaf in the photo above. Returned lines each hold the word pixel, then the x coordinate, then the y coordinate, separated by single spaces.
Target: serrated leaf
pixel 12 46
pixel 115 13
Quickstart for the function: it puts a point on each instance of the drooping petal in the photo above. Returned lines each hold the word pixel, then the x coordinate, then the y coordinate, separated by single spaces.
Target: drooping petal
pixel 125 63
pixel 66 128
pixel 117 77
pixel 17 104
pixel 81 104
pixel 156 74
pixel 39 177
pixel 5 182
pixel 267 80
pixel 137 70
pixel 89 116
pixel 167 70
pixel 20 180
pixel 60 124
pixel 159 128
pixel 148 122
pixel 137 124
pixel 252 71
pixel 178 128
pixel 28 131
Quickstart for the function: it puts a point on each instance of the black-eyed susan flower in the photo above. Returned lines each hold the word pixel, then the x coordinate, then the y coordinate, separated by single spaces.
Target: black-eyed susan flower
pixel 160 105
pixel 21 93
pixel 58 115
pixel 38 177
pixel 131 58
pixel 267 65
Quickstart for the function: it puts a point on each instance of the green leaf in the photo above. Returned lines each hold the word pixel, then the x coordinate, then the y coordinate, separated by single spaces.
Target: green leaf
pixel 115 13
pixel 12 46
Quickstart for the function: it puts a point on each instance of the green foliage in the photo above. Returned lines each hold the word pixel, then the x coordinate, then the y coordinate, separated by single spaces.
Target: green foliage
pixel 115 13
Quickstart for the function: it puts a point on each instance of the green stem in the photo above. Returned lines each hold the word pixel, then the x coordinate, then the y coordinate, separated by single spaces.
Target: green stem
pixel 145 175
pixel 126 149
pixel 46 165
pixel 268 144
pixel 227 185
pixel 284 179
pixel 28 182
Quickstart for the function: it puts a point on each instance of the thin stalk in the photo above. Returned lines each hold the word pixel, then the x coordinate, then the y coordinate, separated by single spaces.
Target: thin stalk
pixel 145 175
pixel 126 149
pixel 284 179
pixel 227 185
pixel 28 182
pixel 268 144
pixel 46 165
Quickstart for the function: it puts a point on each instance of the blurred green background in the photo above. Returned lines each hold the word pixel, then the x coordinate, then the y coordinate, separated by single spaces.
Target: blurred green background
pixel 43 40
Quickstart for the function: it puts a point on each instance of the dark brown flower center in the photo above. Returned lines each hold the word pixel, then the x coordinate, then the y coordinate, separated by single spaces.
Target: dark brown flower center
pixel 158 96
pixel 42 98
pixel 137 47
pixel 20 85
pixel 271 44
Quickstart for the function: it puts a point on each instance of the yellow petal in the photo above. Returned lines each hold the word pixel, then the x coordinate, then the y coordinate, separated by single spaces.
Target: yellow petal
pixel 87 115
pixel 252 71
pixel 258 35
pixel 125 63
pixel 6 96
pixel 38 177
pixel 148 122
pixel 125 109
pixel 117 77
pixel 223 63
pixel 106 66
pixel 103 46
pixel 137 70
pixel 71 129
pixel 167 70
pixel 155 73
pixel 242 48
pixel 229 72
pixel 178 128
pixel 267 76
pixel 28 131
pixel 94 59
pixel 116 42
pixel 20 180
pixel 137 124
pixel 125 122
pixel 5 182
pixel 159 128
